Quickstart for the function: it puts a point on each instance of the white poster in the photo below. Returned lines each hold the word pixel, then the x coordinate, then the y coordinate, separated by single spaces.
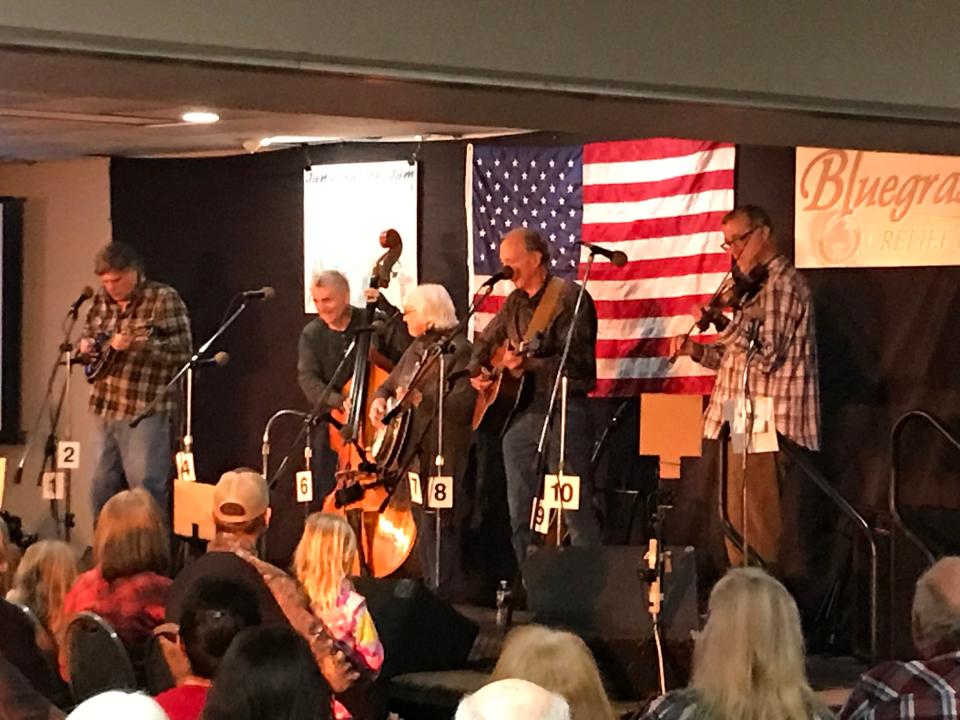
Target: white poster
pixel 345 208
pixel 876 209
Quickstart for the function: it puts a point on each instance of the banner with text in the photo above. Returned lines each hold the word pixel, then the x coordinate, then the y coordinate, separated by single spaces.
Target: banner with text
pixel 876 209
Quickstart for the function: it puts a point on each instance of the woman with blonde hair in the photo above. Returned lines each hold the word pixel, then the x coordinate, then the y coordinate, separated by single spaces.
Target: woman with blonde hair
pixel 748 662
pixel 45 575
pixel 127 586
pixel 430 314
pixel 323 561
pixel 557 661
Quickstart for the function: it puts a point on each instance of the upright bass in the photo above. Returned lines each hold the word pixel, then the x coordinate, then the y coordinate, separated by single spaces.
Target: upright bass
pixel 381 519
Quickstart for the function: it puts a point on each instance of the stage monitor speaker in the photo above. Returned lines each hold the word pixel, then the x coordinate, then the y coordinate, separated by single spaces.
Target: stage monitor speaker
pixel 419 631
pixel 599 594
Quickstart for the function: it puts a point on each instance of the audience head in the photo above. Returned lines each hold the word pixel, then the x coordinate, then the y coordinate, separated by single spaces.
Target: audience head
pixel 214 611
pixel 749 660
pixel 428 307
pixel 118 704
pixel 559 662
pixel 268 673
pixel 44 576
pixel 325 557
pixel 241 503
pixel 331 295
pixel 936 609
pixel 130 536
pixel 513 699
pixel 8 558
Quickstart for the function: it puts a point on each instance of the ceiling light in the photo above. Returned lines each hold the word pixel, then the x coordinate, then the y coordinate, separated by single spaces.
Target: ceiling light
pixel 200 117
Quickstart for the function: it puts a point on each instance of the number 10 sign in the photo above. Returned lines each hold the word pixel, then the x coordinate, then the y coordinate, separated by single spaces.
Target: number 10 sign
pixel 561 491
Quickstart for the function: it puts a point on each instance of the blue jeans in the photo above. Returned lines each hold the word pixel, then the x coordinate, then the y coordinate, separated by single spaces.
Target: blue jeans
pixel 131 458
pixel 520 462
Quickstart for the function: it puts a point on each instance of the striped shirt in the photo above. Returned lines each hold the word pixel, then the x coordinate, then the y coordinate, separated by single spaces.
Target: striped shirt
pixel 130 383
pixel 784 368
pixel 918 689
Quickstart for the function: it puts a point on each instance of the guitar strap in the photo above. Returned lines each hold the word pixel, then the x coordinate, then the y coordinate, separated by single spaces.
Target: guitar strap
pixel 546 309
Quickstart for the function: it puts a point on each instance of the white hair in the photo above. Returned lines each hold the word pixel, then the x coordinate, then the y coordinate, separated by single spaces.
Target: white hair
pixel 936 608
pixel 434 304
pixel 331 278
pixel 513 699
pixel 117 703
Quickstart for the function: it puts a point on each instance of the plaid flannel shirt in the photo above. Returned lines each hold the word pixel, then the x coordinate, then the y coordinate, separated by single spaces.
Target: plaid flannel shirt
pixel 914 690
pixel 785 367
pixel 132 605
pixel 138 375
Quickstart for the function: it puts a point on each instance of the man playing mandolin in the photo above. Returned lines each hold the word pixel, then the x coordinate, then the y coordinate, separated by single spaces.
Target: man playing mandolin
pixel 137 335
pixel 548 302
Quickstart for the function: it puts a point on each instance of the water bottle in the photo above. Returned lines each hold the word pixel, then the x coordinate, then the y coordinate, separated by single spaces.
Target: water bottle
pixel 504 605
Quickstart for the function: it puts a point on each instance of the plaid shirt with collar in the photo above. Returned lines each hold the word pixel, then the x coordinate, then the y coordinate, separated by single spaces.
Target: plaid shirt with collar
pixel 914 690
pixel 785 367
pixel 138 375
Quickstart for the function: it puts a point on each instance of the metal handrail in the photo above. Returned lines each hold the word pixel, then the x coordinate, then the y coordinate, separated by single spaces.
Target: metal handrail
pixel 893 490
pixel 845 507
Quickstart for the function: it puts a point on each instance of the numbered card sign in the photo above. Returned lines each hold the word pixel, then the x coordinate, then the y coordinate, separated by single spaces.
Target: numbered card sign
pixel 53 485
pixel 440 492
pixel 539 517
pixel 416 492
pixel 304 486
pixel 562 491
pixel 68 455
pixel 186 470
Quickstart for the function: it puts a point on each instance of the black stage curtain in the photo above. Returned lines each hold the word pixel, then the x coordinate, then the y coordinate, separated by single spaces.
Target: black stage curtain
pixel 213 227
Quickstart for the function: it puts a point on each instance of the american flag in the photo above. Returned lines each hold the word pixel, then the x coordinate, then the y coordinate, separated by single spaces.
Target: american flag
pixel 658 200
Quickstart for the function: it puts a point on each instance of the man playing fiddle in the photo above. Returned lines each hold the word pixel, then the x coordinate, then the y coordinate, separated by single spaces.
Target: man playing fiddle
pixel 776 318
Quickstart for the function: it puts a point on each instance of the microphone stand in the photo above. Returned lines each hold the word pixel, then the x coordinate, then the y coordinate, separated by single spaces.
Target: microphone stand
pixel 64 358
pixel 754 348
pixel 187 366
pixel 309 419
pixel 547 420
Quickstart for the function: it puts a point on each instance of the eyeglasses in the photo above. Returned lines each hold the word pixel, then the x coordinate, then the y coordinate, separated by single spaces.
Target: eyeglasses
pixel 727 244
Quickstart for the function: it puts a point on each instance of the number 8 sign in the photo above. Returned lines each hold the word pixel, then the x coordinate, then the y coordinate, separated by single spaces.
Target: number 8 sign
pixel 440 492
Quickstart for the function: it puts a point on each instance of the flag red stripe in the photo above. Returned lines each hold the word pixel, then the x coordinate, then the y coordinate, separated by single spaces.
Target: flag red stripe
pixel 627 387
pixel 649 307
pixel 639 348
pixel 680 185
pixel 652 228
pixel 654 149
pixel 662 267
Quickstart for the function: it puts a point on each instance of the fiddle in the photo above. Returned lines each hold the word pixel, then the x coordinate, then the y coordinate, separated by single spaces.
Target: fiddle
pixel 735 289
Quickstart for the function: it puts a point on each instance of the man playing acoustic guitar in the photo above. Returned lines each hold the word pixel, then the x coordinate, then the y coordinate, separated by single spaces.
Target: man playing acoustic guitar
pixel 137 335
pixel 538 314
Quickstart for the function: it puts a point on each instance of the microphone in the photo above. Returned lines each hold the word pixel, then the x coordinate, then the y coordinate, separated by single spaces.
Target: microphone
pixel 264 293
pixel 505 274
pixel 617 257
pixel 85 295
pixel 219 359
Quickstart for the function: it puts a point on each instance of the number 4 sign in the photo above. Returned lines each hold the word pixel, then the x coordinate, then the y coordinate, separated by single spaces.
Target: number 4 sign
pixel 562 491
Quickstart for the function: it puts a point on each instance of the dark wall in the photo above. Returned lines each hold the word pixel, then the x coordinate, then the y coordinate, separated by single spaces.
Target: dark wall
pixel 212 227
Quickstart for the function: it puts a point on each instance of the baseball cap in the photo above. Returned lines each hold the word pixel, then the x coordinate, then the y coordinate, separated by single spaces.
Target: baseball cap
pixel 240 496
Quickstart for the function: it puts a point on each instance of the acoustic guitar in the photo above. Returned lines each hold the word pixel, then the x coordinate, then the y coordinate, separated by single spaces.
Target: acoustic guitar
pixel 497 404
